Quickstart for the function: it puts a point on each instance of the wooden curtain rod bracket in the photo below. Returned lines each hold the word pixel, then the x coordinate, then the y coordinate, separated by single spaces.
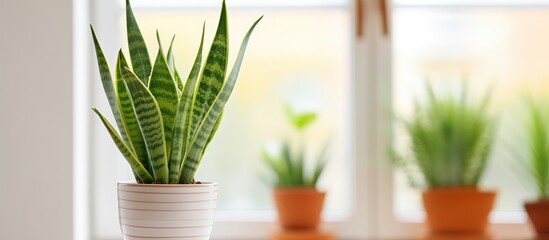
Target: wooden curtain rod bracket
pixel 359 18
pixel 384 17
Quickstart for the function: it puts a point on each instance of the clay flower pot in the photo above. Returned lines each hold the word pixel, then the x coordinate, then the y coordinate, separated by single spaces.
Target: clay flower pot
pixel 167 211
pixel 458 209
pixel 299 207
pixel 539 215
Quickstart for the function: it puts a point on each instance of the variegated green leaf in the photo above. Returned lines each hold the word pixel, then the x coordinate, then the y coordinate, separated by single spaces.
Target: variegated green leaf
pixel 136 166
pixel 169 57
pixel 213 74
pixel 138 49
pixel 182 118
pixel 159 42
pixel 216 126
pixel 137 142
pixel 171 65
pixel 170 62
pixel 106 80
pixel 179 81
pixel 189 91
pixel 150 122
pixel 164 90
pixel 212 134
pixel 206 126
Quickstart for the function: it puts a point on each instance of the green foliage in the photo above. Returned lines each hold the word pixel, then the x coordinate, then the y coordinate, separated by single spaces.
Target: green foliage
pixel 451 139
pixel 288 165
pixel 538 159
pixel 299 121
pixel 165 125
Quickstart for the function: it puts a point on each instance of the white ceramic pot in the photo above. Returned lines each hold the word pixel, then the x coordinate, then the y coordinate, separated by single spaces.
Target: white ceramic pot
pixel 167 211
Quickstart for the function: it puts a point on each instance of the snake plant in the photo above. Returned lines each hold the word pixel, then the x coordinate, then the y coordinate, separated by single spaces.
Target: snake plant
pixel 165 125
pixel 450 139
pixel 289 165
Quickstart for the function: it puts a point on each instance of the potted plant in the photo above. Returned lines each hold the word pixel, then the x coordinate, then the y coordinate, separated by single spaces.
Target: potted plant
pixel 164 126
pixel 538 167
pixel 450 141
pixel 299 203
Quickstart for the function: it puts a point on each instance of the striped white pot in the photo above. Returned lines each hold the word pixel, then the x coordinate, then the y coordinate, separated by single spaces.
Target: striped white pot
pixel 167 211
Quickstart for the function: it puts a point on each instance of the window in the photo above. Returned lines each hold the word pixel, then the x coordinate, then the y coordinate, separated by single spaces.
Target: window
pixel 305 53
pixel 487 44
pixel 309 66
pixel 312 73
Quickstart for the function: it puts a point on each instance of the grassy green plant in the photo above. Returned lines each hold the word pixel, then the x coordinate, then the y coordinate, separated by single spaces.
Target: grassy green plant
pixel 164 124
pixel 450 139
pixel 288 165
pixel 538 151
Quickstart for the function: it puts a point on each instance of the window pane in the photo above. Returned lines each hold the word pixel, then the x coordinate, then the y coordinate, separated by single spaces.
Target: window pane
pixel 505 49
pixel 498 3
pixel 237 3
pixel 301 57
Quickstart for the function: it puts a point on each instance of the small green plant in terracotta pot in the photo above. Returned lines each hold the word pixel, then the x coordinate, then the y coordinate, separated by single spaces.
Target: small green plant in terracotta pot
pixel 538 166
pixel 164 126
pixel 299 203
pixel 450 142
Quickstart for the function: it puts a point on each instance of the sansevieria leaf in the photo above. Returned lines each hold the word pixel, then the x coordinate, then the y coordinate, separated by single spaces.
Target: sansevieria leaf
pixel 216 126
pixel 169 56
pixel 171 65
pixel 138 49
pixel 182 118
pixel 106 80
pixel 164 90
pixel 137 142
pixel 212 134
pixel 188 94
pixel 136 166
pixel 165 123
pixel 178 80
pixel 213 74
pixel 150 122
pixel 199 140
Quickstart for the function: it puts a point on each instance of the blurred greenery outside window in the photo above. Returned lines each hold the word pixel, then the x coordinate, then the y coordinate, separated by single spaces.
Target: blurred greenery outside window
pixel 489 45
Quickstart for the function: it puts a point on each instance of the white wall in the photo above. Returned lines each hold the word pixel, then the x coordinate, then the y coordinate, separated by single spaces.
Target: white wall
pixel 35 119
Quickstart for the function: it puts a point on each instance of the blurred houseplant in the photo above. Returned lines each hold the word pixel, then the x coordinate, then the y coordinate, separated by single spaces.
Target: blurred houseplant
pixel 164 127
pixel 538 166
pixel 298 201
pixel 451 140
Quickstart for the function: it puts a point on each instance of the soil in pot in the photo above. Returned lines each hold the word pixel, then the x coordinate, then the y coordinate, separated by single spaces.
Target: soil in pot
pixel 539 216
pixel 299 207
pixel 458 209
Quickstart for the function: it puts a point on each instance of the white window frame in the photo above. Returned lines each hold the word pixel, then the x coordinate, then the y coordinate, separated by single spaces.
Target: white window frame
pixel 104 14
pixel 373 211
pixel 390 226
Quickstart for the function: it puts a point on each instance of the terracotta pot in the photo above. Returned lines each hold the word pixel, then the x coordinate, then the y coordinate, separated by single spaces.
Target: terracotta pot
pixel 458 209
pixel 539 215
pixel 167 211
pixel 299 207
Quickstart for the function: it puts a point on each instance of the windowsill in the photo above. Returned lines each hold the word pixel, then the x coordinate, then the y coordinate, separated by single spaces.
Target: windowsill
pixel 417 230
pixel 499 217
pixel 269 216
